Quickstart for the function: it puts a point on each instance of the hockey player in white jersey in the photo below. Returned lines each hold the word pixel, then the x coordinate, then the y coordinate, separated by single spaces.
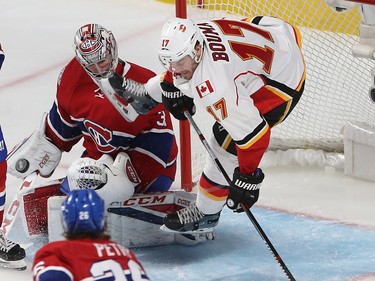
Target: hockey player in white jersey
pixel 248 75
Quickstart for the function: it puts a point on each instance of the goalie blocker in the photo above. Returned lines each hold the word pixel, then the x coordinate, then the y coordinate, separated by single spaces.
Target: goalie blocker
pixel 34 154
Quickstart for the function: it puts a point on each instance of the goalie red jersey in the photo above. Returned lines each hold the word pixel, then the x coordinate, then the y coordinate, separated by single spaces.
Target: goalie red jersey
pixel 81 110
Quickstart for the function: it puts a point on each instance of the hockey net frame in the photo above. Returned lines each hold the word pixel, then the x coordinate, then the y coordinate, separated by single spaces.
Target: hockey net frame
pixel 337 83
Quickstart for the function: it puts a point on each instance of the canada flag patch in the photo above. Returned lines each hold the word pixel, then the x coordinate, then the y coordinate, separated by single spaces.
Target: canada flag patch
pixel 204 89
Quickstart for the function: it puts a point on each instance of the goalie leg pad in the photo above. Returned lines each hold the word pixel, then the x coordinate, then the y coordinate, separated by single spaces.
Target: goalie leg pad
pixel 136 222
pixel 55 227
pixel 34 207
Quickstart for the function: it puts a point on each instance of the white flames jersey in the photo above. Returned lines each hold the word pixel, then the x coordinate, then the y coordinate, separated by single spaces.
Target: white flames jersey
pixel 237 55
pixel 247 69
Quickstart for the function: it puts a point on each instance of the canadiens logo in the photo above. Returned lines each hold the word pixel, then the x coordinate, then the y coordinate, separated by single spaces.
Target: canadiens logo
pixel 101 136
pixel 89 45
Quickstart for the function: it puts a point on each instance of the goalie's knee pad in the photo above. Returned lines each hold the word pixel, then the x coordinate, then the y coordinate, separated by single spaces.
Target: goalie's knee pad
pixel 114 180
pixel 35 153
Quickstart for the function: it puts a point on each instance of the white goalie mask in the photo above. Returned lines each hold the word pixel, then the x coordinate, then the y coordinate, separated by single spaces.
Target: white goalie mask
pixel 178 40
pixel 94 45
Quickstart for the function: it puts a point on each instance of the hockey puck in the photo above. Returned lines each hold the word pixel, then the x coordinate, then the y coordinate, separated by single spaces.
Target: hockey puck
pixel 22 165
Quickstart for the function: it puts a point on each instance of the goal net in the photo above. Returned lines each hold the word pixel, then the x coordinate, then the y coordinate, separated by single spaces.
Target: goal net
pixel 337 84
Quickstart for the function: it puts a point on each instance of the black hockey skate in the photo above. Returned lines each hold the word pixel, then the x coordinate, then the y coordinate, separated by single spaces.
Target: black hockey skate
pixel 190 220
pixel 11 254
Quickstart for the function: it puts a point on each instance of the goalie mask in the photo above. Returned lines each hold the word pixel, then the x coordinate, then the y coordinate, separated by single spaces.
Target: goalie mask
pixel 83 211
pixel 179 38
pixel 96 50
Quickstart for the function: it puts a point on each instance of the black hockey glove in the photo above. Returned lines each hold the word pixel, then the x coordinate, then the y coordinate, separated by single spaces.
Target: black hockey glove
pixel 176 102
pixel 244 189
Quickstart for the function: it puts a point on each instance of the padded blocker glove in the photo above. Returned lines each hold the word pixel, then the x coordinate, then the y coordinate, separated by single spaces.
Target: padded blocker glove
pixel 244 189
pixel 176 102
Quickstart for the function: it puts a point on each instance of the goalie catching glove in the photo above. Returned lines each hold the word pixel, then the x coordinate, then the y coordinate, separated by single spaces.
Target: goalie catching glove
pixel 113 180
pixel 244 189
pixel 175 101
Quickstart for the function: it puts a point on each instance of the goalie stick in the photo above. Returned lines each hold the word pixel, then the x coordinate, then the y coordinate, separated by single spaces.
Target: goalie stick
pixel 246 209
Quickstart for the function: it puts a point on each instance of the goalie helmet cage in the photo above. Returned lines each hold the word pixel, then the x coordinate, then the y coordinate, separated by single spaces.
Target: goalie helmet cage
pixel 337 83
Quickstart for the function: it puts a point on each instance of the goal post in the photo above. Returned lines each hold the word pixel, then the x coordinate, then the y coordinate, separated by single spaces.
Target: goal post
pixel 337 83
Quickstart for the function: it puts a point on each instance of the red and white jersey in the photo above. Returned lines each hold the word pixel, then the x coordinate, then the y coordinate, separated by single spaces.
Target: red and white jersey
pixel 247 69
pixel 86 259
pixel 81 110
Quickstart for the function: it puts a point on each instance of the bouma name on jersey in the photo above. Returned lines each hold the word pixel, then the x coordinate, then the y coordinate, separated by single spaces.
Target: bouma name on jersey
pixel 217 48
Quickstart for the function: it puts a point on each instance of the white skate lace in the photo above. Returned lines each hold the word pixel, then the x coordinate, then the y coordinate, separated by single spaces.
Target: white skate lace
pixel 135 88
pixel 5 244
pixel 189 214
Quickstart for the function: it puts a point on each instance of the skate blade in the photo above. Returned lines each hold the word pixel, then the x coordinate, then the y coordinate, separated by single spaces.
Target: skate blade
pixel 198 231
pixel 16 265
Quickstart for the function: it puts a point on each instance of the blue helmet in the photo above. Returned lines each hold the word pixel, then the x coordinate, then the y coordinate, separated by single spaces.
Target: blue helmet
pixel 83 211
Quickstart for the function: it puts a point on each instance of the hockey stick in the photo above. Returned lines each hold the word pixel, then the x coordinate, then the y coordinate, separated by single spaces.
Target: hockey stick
pixel 246 209
pixel 12 211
